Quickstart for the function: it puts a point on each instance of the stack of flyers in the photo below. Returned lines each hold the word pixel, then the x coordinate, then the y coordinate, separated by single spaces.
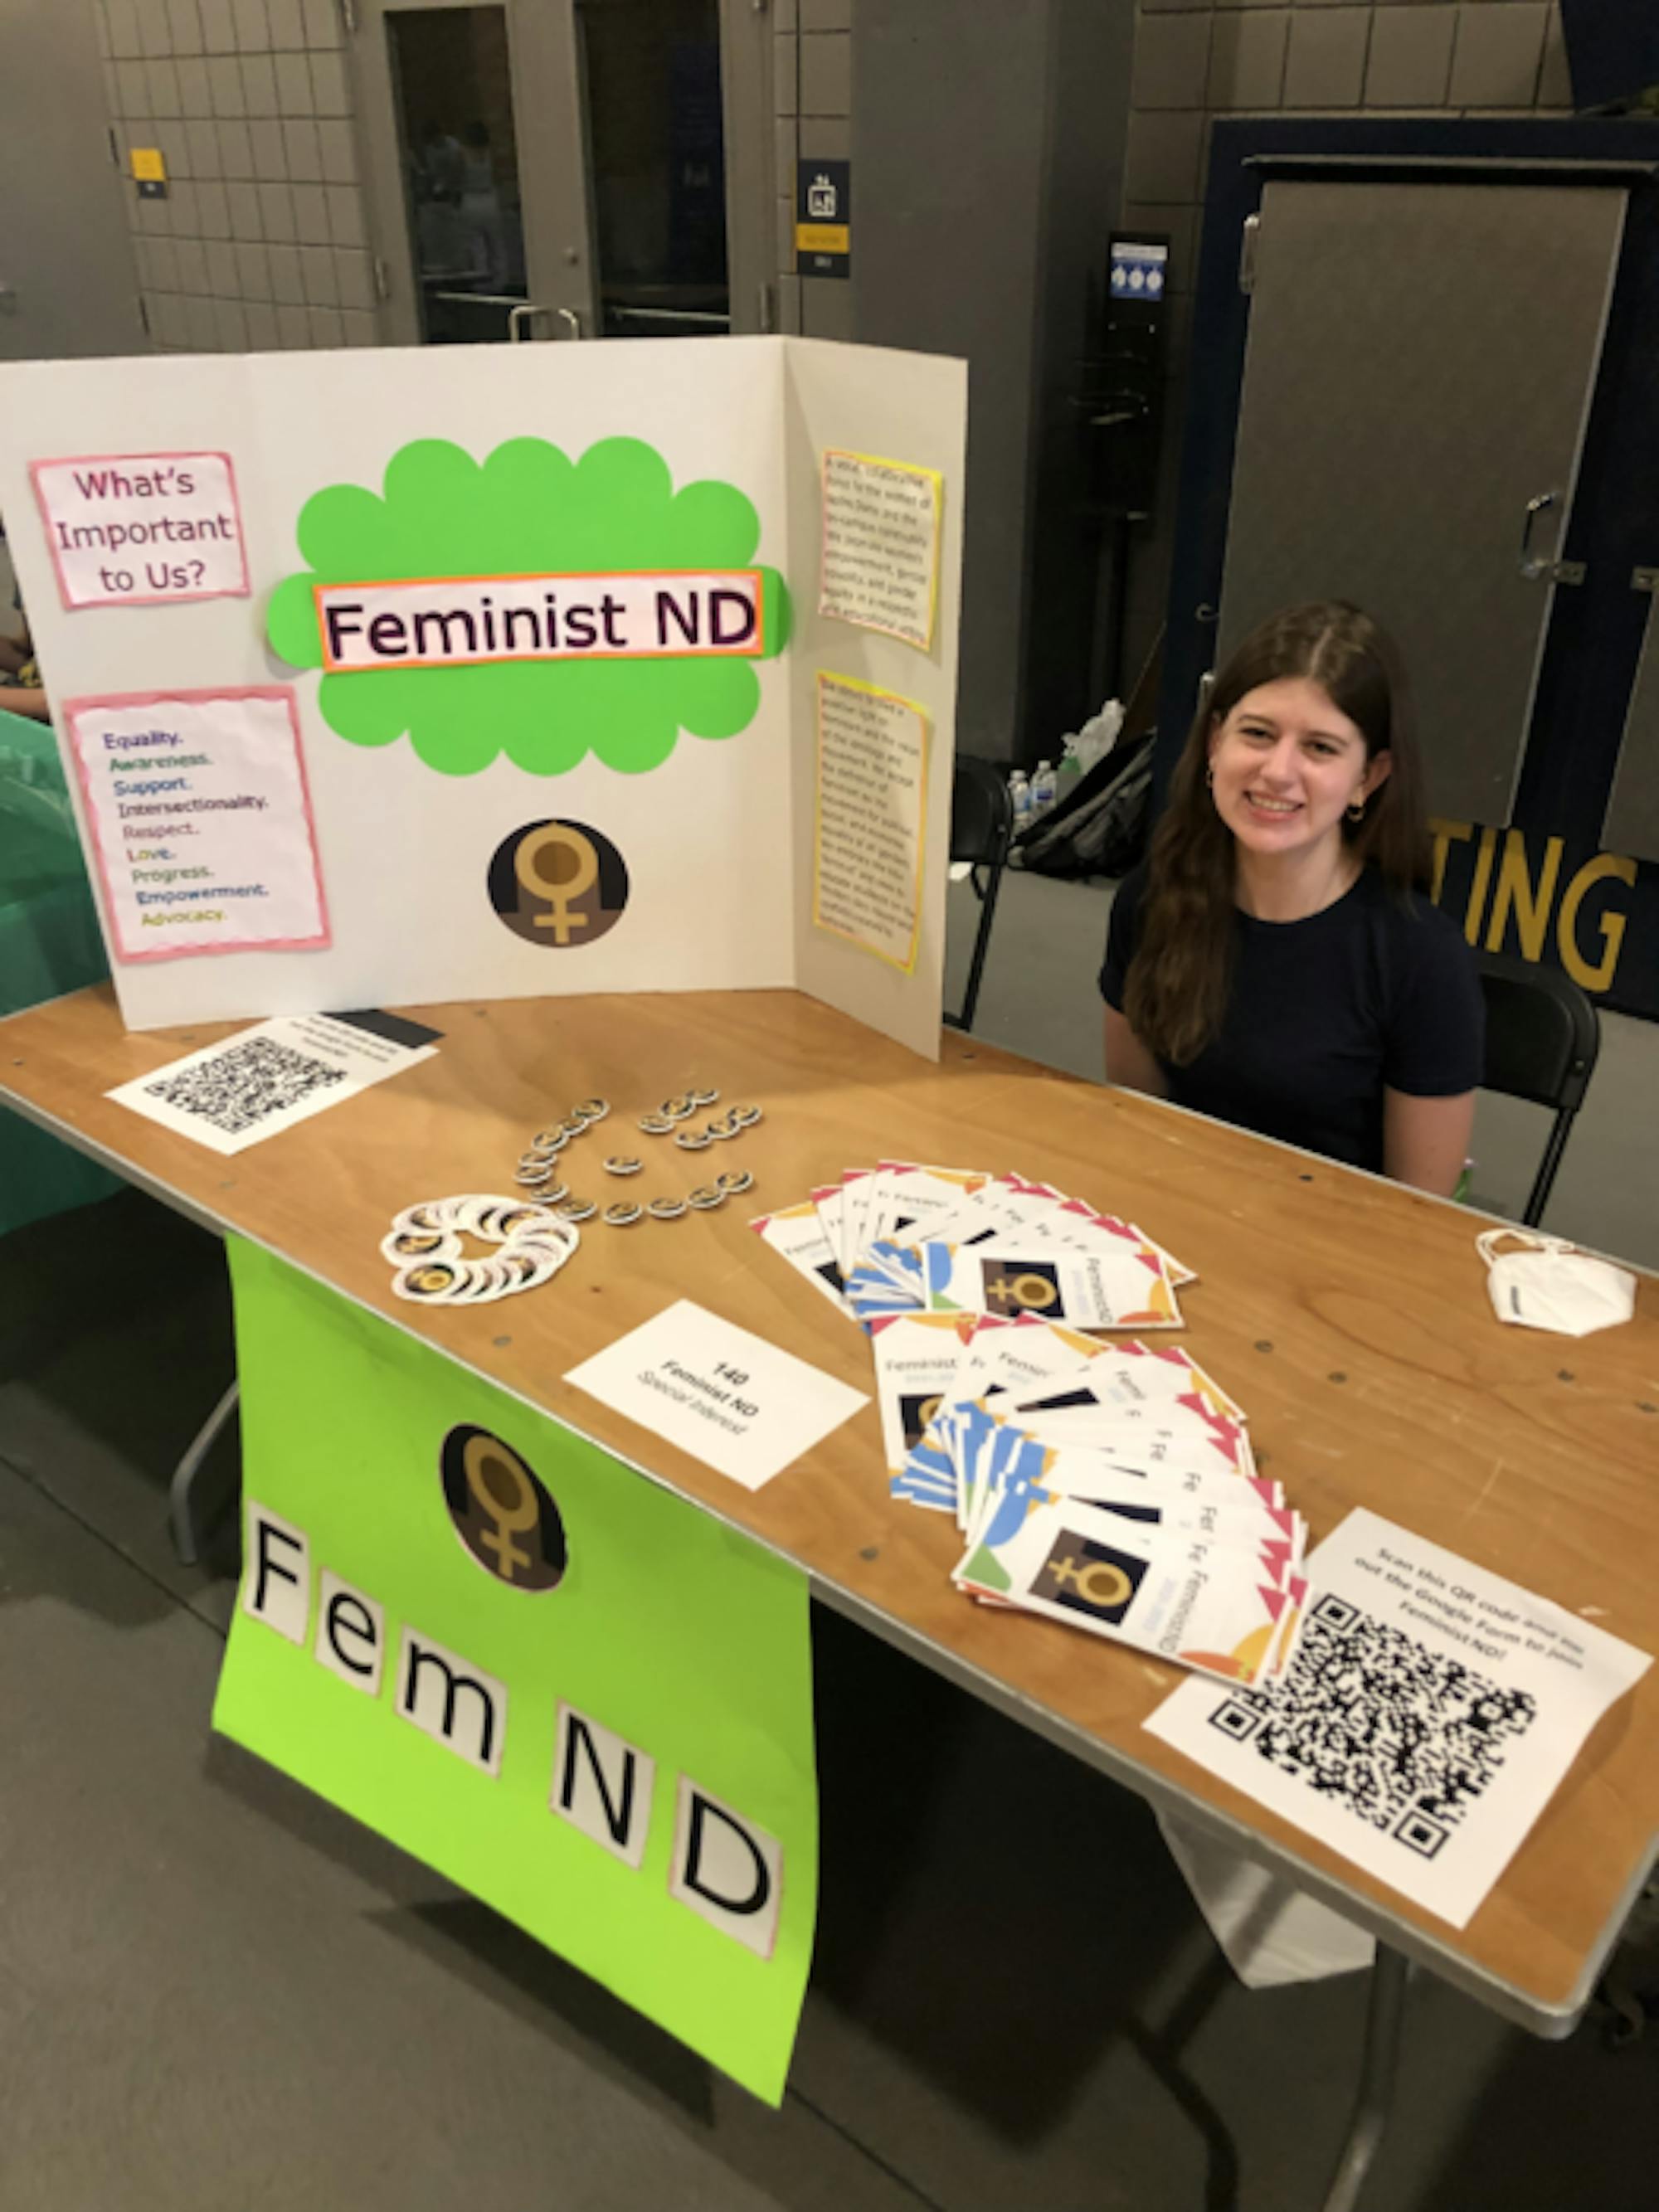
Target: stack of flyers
pixel 1109 1486
pixel 1206 1575
pixel 902 1238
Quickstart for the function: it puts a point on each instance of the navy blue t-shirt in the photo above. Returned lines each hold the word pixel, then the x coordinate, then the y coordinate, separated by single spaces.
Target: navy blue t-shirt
pixel 1375 992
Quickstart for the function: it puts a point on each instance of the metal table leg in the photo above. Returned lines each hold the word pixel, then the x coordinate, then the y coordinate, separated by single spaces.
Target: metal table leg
pixel 1385 2014
pixel 184 1522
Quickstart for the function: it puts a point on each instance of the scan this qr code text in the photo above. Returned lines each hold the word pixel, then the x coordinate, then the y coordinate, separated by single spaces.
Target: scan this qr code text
pixel 245 1086
pixel 1405 1739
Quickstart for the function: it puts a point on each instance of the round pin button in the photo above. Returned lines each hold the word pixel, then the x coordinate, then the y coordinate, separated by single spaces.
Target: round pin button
pixel 706 1198
pixel 622 1214
pixel 575 1209
pixel 594 1109
pixel 622 1163
pixel 666 1209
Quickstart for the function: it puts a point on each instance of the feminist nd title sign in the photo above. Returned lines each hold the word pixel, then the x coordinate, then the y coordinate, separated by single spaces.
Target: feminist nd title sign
pixel 629 615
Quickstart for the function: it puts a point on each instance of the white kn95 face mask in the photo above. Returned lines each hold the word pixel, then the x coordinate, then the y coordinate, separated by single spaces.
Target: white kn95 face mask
pixel 1548 1284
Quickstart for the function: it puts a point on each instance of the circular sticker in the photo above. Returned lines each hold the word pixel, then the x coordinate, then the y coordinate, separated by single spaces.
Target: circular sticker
pixel 501 1512
pixel 558 882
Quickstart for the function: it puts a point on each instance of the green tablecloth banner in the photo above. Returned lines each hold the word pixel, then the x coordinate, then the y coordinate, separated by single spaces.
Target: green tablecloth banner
pixel 577 1697
pixel 49 944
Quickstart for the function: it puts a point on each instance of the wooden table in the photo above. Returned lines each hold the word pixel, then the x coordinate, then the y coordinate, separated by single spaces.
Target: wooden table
pixel 1348 1315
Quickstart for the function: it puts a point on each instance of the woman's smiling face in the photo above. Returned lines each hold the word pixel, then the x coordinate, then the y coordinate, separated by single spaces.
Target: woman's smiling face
pixel 1285 765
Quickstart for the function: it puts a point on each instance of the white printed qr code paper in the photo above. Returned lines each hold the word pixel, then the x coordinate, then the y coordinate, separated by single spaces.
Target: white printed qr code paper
pixel 1430 1713
pixel 262 1081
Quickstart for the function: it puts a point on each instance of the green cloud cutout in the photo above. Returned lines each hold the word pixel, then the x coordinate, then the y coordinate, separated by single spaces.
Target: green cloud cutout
pixel 528 509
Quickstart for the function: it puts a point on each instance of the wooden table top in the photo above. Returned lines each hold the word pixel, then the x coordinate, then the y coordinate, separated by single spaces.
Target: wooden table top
pixel 1348 1315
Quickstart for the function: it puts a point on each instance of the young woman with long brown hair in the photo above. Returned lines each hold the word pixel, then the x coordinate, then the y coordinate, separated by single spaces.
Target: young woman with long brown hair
pixel 1275 961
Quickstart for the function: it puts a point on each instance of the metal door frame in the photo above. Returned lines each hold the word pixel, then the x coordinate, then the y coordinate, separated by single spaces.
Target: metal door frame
pixel 752 184
pixel 1536 549
pixel 550 96
pixel 550 130
pixel 1593 639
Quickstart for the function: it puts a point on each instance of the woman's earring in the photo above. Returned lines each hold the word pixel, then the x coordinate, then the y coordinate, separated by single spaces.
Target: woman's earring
pixel 1355 809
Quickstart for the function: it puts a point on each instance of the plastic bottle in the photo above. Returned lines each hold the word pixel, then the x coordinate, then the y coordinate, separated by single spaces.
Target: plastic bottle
pixel 1099 734
pixel 1068 772
pixel 1043 788
pixel 1019 798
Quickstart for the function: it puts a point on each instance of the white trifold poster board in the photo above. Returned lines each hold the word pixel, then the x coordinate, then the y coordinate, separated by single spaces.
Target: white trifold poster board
pixel 390 678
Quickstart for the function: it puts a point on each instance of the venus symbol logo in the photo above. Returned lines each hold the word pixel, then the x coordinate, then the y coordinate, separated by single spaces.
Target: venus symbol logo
pixel 558 882
pixel 501 1512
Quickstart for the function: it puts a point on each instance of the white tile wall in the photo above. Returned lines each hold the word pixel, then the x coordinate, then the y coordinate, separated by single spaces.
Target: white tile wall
pixel 262 241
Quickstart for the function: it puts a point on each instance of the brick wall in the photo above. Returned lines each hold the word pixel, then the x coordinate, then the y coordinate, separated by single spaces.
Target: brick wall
pixel 1196 59
pixel 261 240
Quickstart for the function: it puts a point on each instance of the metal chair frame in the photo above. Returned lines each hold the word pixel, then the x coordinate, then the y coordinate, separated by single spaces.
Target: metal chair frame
pixel 981 832
pixel 1543 1035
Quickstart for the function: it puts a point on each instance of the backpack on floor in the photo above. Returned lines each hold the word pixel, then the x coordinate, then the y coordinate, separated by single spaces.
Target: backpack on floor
pixel 1100 829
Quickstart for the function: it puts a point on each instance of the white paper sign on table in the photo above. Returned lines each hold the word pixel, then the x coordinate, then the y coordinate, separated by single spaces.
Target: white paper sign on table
pixel 1429 1715
pixel 201 820
pixel 731 1399
pixel 261 1081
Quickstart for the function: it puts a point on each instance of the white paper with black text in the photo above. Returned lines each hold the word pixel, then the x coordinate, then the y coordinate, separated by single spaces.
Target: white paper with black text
pixel 1429 1715
pixel 726 1396
pixel 263 1080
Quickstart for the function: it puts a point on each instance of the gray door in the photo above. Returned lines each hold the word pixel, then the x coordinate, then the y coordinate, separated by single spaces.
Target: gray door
pixel 567 168
pixel 1420 362
pixel 69 280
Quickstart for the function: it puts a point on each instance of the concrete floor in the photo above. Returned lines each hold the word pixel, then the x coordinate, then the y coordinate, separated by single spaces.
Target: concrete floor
pixel 215 1993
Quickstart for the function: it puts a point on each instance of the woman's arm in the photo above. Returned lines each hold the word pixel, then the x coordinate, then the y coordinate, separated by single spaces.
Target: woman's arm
pixel 1129 1066
pixel 1425 1141
pixel 25 699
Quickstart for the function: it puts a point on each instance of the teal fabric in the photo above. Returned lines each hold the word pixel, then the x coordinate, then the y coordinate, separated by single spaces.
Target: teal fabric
pixel 49 943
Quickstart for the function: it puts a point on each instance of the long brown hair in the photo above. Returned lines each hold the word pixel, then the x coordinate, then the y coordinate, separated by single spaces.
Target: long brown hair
pixel 1176 990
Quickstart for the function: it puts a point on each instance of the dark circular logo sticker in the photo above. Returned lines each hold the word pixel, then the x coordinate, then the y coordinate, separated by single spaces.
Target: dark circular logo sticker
pixel 501 1512
pixel 558 882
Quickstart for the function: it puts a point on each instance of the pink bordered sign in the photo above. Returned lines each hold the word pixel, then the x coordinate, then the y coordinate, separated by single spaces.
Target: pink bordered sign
pixel 142 530
pixel 200 819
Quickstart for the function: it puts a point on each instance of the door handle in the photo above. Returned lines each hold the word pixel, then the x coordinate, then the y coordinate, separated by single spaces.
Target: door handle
pixel 1533 565
pixel 572 321
pixel 520 318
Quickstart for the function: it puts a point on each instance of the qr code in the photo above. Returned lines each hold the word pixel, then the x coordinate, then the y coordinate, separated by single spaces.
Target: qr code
pixel 1405 1739
pixel 245 1086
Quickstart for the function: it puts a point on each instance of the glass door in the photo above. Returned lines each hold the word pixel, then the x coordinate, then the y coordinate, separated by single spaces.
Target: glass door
pixel 651 75
pixel 477 169
pixel 566 169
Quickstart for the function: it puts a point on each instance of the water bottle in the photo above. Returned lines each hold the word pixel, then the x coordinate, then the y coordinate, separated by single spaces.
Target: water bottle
pixel 1043 788
pixel 1019 798
pixel 1070 768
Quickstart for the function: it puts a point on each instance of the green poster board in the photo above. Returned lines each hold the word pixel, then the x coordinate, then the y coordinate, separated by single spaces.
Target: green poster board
pixel 574 1695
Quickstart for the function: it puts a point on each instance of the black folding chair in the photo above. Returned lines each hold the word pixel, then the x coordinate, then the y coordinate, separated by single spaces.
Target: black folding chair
pixel 1542 1038
pixel 981 829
